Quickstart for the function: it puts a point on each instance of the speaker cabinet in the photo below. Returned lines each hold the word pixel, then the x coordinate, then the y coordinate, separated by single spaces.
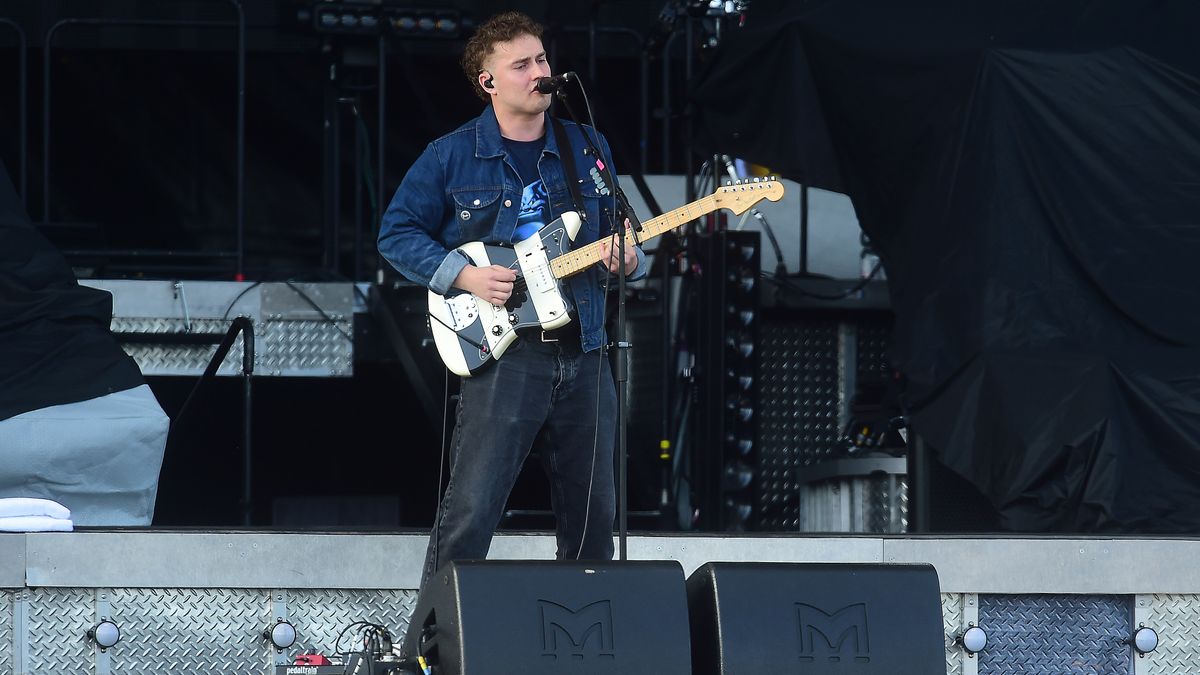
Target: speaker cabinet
pixel 848 619
pixel 553 618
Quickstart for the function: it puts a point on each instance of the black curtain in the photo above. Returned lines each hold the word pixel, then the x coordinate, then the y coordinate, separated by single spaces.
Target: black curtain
pixel 1030 173
pixel 55 343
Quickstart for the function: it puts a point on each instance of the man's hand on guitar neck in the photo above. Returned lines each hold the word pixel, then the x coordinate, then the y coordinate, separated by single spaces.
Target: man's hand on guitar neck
pixel 608 255
pixel 493 283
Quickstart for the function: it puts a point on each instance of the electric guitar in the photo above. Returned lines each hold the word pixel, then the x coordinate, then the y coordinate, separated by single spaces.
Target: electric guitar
pixel 471 332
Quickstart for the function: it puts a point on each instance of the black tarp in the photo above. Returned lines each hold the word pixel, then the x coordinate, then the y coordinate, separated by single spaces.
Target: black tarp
pixel 1030 172
pixel 55 343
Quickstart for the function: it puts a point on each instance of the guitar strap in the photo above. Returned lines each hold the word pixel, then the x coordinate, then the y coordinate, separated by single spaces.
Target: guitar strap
pixel 567 154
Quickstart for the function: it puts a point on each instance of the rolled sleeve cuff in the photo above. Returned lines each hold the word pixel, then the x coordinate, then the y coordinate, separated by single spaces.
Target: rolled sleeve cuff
pixel 639 271
pixel 443 279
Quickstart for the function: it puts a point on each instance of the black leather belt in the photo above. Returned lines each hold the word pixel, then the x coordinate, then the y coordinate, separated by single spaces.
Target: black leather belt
pixel 567 332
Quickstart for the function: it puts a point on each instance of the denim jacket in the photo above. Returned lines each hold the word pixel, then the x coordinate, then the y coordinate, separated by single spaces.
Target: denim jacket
pixel 465 188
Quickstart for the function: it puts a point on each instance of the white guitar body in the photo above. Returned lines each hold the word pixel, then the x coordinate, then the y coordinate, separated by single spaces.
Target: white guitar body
pixel 469 331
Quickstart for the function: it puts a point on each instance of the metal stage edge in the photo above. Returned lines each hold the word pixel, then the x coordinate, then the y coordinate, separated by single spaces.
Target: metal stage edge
pixel 189 597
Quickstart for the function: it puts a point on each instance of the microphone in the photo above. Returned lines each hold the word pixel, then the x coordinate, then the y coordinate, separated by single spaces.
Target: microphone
pixel 550 85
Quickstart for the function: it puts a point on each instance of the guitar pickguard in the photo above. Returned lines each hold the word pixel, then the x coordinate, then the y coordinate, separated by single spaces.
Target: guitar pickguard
pixel 469 332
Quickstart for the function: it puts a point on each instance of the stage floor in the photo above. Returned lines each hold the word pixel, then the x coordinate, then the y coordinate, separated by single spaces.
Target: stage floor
pixel 210 593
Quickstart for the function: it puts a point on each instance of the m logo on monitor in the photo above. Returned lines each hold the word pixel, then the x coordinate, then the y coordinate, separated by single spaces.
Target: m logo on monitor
pixel 578 633
pixel 836 636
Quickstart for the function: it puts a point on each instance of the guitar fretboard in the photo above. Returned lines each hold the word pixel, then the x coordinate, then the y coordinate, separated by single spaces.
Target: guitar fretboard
pixel 585 256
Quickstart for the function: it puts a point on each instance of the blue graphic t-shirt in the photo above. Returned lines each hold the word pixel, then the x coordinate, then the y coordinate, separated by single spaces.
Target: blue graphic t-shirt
pixel 533 211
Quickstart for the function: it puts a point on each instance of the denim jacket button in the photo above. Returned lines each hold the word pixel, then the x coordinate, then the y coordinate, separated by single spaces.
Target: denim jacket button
pixel 507 203
pixel 465 215
pixel 476 202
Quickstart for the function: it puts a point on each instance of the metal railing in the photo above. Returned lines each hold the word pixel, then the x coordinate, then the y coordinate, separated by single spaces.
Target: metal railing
pixel 240 325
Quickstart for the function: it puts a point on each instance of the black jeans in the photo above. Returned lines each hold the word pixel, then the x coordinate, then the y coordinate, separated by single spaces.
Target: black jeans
pixel 538 395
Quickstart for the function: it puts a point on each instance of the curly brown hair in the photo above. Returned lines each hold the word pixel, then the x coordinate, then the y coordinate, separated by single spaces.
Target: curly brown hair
pixel 500 28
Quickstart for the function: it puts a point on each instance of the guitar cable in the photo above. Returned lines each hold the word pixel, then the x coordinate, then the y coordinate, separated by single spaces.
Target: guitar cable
pixel 599 159
pixel 457 334
pixel 596 425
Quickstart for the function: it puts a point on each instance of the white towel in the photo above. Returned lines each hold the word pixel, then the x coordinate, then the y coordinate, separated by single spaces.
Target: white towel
pixel 35 524
pixel 30 506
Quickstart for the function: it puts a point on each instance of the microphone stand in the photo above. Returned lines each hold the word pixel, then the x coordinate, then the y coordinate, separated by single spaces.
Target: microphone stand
pixel 623 346
pixel 621 342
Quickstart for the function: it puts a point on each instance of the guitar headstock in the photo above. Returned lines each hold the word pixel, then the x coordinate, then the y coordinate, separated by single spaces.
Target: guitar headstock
pixel 743 194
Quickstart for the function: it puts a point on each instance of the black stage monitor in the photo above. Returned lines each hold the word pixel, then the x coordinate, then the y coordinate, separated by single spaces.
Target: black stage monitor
pixel 816 618
pixel 553 618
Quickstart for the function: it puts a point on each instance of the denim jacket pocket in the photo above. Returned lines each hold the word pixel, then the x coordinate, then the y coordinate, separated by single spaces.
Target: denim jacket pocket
pixel 475 211
pixel 592 206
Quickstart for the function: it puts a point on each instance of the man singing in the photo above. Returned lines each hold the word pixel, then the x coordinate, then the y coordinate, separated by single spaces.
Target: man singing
pixel 498 179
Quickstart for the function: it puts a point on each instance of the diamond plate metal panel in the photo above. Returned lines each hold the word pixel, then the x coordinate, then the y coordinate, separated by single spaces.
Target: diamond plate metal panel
pixel 873 341
pixel 1175 618
pixel 190 631
pixel 177 359
pixel 7 667
pixel 952 619
pixel 58 619
pixel 320 615
pixel 798 395
pixel 1055 634
pixel 310 348
pixel 282 347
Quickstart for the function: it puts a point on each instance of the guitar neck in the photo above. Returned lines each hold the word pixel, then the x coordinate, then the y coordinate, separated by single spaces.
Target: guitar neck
pixel 585 256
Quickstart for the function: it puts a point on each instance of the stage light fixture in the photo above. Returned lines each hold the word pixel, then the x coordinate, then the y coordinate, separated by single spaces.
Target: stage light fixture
pixel 736 265
pixel 973 640
pixel 717 8
pixel 738 476
pixel 740 408
pixel 105 634
pixel 744 382
pixel 408 22
pixel 737 513
pixel 741 344
pixel 367 19
pixel 741 446
pixel 1145 640
pixel 282 634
